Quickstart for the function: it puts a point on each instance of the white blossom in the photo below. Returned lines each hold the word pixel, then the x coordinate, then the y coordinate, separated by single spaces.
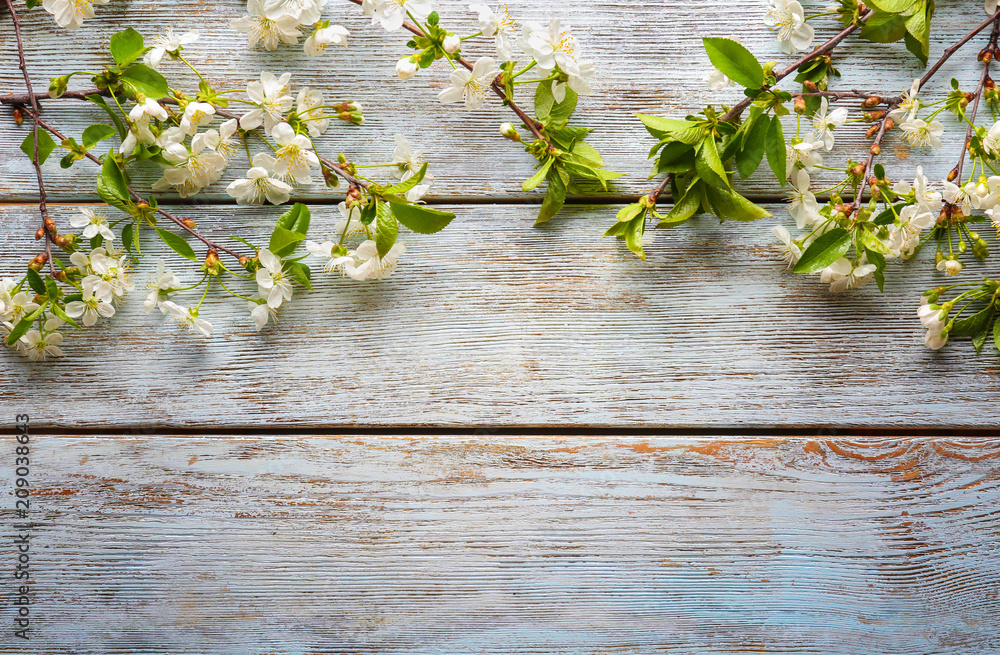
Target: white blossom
pixel 317 42
pixel 260 184
pixel 991 143
pixel 470 85
pixel 271 95
pixel 306 107
pixel 96 302
pixel 790 251
pixel 71 13
pixel 272 281
pixel 292 161
pixel 406 68
pixel 92 224
pixel 38 345
pixel 804 154
pixel 918 132
pixel 168 42
pixel 261 29
pixel 365 264
pixel 500 25
pixel 391 14
pixel 950 266
pixel 788 19
pixel 803 208
pixel 188 317
pixel 161 285
pixel 716 80
pixel 843 275
pixel 195 115
pixel 909 105
pixel 825 122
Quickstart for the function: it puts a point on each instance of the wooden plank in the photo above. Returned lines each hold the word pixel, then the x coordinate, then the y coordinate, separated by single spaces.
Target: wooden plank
pixel 326 544
pixel 658 71
pixel 494 322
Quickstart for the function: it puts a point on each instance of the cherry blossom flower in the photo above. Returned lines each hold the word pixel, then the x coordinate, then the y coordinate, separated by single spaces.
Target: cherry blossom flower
pixel 195 115
pixel 406 68
pixel 950 266
pixel 271 96
pixel 38 345
pixel 804 154
pixel 470 85
pixel 804 208
pixel 991 143
pixel 825 122
pixel 306 108
pixel 365 264
pixel 909 105
pixel 919 133
pixel 92 224
pixel 788 19
pixel 261 29
pixel 261 312
pixel 272 281
pixel 96 303
pixel 391 14
pixel 500 25
pixel 194 169
pixel 188 317
pixel 292 161
pixel 71 13
pixel 716 80
pixel 260 184
pixel 843 275
pixel 161 285
pixel 790 251
pixel 303 11
pixel 317 42
pixel 168 42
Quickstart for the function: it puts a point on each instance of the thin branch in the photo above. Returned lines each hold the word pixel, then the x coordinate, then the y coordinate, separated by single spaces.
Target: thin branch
pixel 495 85
pixel 35 160
pixel 135 195
pixel 873 151
pixel 992 49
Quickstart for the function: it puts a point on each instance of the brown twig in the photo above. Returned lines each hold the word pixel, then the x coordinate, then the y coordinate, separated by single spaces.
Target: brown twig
pixel 992 50
pixel 135 195
pixel 873 151
pixel 43 210
pixel 495 85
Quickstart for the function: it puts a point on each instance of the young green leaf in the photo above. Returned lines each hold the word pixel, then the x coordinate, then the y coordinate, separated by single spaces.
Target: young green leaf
pixel 422 219
pixel 111 185
pixel 24 325
pixel 126 46
pixel 973 325
pixel 555 195
pixel 408 183
pixel 709 165
pixel 387 228
pixel 684 208
pixel 45 146
pixel 544 101
pixel 139 78
pixel 749 156
pixel 537 178
pixel 729 204
pixel 177 244
pixel 295 219
pixel 35 282
pixel 96 133
pixel 735 62
pixel 284 241
pixel 826 249
pixel 774 146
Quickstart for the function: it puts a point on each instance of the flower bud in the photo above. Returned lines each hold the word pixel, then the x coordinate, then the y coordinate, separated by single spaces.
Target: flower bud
pixel 872 181
pixel 406 68
pixel 510 132
pixel 875 149
pixel 212 262
pixel 40 233
pixel 810 86
pixel 50 225
pixel 858 170
pixel 18 116
pixel 353 198
pixel 800 105
pixel 872 116
pixel 451 44
pixel 244 260
pixel 61 276
pixel 889 124
pixel 188 223
pixel 57 86
pixel 953 174
pixel 872 131
pixel 871 101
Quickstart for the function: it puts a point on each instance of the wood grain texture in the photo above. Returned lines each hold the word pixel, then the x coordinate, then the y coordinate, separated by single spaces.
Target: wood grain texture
pixel 326 544
pixel 649 58
pixel 493 322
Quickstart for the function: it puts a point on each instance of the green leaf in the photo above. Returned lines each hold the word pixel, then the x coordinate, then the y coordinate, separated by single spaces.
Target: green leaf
pixel 422 219
pixel 45 146
pixel 544 101
pixel 879 260
pixel 774 147
pixel 735 62
pixel 633 235
pixel 729 204
pixel 387 228
pixel 884 28
pixel 996 333
pixel 284 242
pixel 295 219
pixel 408 183
pixel 111 186
pixel 126 46
pixel 709 165
pixel 300 273
pixel 973 325
pixel 58 311
pixel 103 104
pixel 748 157
pixel 24 325
pixel 979 338
pixel 676 157
pixel 139 78
pixel 628 212
pixel 33 3
pixel 826 249
pixel 537 178
pixel 555 196
pixel 896 6
pixel 35 282
pixel 684 208
pixel 660 127
pixel 177 244
pixel 96 133
pixel 560 112
pixel 128 234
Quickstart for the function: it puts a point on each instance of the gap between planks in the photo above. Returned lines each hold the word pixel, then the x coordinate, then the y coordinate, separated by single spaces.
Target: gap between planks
pixel 491 431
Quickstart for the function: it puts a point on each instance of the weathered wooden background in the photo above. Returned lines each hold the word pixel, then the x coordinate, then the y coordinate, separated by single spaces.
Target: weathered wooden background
pixel 357 480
